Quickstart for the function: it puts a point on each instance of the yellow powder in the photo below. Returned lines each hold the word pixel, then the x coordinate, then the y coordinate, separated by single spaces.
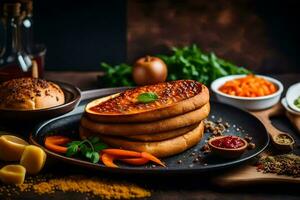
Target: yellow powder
pixel 95 186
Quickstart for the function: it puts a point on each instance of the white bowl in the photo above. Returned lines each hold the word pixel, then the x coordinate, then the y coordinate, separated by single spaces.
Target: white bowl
pixel 286 106
pixel 292 94
pixel 250 103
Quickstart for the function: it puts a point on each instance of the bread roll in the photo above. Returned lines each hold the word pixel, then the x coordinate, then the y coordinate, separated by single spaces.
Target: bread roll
pixel 163 125
pixel 160 149
pixel 30 94
pixel 147 137
pixel 174 98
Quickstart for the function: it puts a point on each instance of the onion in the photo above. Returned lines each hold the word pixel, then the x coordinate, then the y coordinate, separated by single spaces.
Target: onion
pixel 149 70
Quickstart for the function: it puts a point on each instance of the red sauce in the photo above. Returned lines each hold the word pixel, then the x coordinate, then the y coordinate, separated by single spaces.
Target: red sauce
pixel 228 142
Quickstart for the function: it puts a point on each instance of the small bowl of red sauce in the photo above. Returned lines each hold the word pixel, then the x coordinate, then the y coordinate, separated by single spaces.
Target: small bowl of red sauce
pixel 228 146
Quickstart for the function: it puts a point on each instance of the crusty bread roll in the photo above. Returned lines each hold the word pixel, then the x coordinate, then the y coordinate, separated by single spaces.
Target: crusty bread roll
pixel 147 137
pixel 160 149
pixel 30 94
pixel 174 98
pixel 163 125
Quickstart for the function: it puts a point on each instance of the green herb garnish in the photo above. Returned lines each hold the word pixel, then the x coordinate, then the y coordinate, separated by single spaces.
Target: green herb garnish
pixel 147 97
pixel 297 102
pixel 88 148
pixel 191 62
pixel 188 62
pixel 118 75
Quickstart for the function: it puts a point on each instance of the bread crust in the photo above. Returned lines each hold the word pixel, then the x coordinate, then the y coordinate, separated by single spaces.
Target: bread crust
pixel 163 125
pixel 30 94
pixel 160 112
pixel 163 148
pixel 146 137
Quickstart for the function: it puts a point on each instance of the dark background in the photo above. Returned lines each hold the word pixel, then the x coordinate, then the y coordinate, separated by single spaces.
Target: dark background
pixel 260 35
pixel 80 34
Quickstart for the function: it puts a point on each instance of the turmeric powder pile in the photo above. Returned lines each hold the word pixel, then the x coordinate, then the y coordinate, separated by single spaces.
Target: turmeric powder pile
pixel 92 186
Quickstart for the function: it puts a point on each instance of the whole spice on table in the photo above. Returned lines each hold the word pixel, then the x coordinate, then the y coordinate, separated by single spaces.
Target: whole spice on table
pixel 92 186
pixel 286 164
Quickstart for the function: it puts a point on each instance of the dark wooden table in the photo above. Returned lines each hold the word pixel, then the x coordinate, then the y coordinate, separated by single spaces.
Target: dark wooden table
pixel 192 186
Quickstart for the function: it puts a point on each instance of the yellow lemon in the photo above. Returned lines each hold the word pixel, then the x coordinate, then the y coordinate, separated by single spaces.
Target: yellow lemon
pixel 11 147
pixel 12 174
pixel 33 159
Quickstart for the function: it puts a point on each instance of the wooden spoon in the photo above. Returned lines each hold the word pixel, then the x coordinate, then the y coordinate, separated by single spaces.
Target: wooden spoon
pixel 264 117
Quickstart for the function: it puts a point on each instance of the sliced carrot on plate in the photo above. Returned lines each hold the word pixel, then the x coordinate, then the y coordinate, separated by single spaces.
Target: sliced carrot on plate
pixel 122 153
pixel 152 158
pixel 108 160
pixel 54 143
pixel 135 161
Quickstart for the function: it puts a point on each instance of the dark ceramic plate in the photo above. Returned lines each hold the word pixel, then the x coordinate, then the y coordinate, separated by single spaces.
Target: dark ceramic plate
pixel 241 123
pixel 72 97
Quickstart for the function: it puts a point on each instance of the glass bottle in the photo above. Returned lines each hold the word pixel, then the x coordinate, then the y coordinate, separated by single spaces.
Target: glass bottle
pixel 36 52
pixel 27 26
pixel 14 62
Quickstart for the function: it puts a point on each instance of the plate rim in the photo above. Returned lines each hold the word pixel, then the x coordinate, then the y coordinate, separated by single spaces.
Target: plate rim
pixel 157 170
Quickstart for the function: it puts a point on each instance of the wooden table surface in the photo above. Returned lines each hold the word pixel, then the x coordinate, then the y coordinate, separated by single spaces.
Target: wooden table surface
pixel 193 186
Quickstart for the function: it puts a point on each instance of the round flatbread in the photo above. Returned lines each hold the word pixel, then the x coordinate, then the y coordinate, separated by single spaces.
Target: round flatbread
pixel 174 98
pixel 163 125
pixel 163 148
pixel 146 137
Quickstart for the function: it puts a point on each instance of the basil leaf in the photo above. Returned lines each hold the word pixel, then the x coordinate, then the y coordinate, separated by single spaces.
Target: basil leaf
pixel 95 157
pixel 94 140
pixel 83 148
pixel 100 146
pixel 72 150
pixel 89 154
pixel 74 143
pixel 147 97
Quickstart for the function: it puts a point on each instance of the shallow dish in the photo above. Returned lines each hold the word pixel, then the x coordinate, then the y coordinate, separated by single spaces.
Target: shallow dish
pixel 291 95
pixel 227 152
pixel 72 98
pixel 250 103
pixel 69 125
pixel 286 106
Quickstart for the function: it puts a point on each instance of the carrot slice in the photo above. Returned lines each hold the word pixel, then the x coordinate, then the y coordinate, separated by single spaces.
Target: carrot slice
pixel 122 153
pixel 53 143
pixel 108 160
pixel 55 148
pixel 135 161
pixel 152 158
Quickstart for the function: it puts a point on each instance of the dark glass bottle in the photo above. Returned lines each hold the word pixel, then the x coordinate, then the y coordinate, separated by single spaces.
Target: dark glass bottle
pixel 27 27
pixel 37 52
pixel 14 62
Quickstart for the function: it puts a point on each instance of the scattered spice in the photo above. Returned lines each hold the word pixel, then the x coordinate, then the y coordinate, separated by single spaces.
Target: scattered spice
pixel 251 146
pixel 248 138
pixel 286 164
pixel 92 186
pixel 205 148
pixel 218 127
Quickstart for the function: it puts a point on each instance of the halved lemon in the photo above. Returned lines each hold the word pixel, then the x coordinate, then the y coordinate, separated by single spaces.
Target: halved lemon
pixel 12 174
pixel 11 147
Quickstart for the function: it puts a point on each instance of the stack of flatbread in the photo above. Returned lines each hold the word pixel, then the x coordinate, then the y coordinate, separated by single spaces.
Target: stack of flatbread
pixel 165 125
